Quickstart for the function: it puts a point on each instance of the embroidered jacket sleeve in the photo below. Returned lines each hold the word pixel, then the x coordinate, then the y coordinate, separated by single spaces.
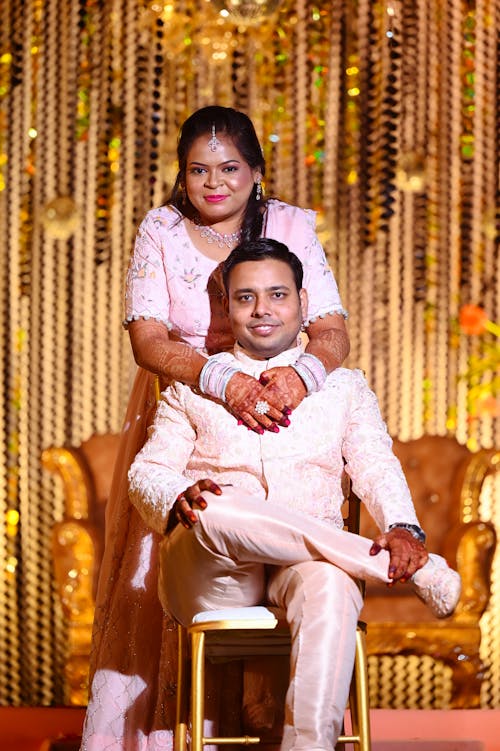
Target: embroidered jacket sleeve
pixel 146 290
pixel 375 471
pixel 156 476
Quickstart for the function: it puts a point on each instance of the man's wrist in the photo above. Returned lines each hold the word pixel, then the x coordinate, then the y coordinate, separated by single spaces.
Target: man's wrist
pixel 417 532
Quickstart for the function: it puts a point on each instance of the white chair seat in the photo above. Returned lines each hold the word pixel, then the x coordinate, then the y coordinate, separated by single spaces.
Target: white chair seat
pixel 256 613
pixel 243 632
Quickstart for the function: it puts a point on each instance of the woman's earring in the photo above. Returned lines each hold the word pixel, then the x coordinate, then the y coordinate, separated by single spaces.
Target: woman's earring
pixel 258 190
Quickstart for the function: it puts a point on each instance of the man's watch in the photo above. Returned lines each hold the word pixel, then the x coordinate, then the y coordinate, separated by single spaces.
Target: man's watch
pixel 413 529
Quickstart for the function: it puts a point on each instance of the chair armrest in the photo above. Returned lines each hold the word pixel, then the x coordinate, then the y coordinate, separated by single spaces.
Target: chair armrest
pixel 65 463
pixel 475 551
pixel 74 556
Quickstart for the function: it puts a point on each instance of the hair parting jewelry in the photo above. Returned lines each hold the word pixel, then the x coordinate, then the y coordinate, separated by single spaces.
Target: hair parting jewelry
pixel 214 142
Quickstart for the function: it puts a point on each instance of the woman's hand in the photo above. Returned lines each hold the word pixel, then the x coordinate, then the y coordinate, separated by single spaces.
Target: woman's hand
pixel 407 554
pixel 183 509
pixel 285 384
pixel 254 405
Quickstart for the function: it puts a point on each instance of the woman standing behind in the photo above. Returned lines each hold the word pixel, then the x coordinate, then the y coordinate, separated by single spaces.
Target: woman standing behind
pixel 177 325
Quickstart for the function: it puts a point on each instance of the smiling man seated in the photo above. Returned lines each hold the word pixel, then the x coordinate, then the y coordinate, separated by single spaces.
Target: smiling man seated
pixel 252 517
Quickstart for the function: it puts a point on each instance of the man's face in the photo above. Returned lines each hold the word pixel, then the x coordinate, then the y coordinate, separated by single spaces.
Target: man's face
pixel 265 309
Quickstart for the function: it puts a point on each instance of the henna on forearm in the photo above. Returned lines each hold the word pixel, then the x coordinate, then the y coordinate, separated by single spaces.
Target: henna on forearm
pixel 327 342
pixel 156 352
pixel 180 362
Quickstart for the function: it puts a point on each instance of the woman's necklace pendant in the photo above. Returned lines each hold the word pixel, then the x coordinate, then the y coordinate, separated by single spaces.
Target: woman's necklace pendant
pixel 221 239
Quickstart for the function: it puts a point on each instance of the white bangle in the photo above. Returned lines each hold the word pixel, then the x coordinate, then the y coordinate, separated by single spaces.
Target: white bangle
pixel 214 378
pixel 311 370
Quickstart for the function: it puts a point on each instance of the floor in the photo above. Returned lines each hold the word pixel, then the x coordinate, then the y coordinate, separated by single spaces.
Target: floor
pixel 435 730
pixel 57 729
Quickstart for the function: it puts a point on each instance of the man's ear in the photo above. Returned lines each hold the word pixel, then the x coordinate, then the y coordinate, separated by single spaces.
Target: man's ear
pixel 225 303
pixel 304 301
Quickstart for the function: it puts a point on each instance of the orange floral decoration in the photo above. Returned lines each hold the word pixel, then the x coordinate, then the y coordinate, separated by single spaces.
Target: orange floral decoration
pixel 472 320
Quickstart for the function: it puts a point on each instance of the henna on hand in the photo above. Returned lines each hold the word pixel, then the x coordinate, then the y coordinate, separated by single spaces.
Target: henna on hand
pixel 243 392
pixel 286 383
pixel 183 509
pixel 407 554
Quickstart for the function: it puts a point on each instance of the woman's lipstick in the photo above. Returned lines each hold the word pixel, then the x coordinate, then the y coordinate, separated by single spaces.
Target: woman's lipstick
pixel 215 199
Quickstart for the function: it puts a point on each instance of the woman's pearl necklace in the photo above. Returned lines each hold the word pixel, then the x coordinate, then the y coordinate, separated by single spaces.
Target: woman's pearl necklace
pixel 221 239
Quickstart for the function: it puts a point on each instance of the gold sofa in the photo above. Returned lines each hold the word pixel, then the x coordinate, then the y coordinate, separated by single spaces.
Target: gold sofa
pixel 77 544
pixel 446 481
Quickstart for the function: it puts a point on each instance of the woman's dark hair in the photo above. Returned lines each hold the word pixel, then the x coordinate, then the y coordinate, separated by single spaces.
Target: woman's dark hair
pixel 261 250
pixel 239 128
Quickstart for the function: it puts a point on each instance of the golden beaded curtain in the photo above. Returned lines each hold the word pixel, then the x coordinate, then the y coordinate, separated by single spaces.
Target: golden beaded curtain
pixel 382 115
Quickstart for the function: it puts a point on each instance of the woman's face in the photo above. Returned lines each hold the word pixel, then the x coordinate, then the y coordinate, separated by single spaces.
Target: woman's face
pixel 219 183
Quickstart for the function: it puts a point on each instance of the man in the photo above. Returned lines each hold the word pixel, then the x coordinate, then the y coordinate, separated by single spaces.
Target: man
pixel 256 517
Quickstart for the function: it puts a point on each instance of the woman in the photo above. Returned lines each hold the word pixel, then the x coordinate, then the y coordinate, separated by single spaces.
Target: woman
pixel 177 324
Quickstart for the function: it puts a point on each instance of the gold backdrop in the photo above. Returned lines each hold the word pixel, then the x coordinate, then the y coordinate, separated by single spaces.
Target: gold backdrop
pixel 383 116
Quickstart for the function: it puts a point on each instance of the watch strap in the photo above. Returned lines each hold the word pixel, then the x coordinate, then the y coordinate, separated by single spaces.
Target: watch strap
pixel 413 529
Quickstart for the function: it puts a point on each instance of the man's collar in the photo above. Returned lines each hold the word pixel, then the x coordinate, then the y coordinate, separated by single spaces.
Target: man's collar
pixel 284 358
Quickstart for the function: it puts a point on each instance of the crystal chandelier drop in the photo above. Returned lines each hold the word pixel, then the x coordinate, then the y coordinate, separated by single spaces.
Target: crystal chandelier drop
pixel 246 12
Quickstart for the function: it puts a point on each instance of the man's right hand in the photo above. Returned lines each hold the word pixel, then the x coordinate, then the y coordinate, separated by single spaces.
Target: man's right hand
pixel 191 498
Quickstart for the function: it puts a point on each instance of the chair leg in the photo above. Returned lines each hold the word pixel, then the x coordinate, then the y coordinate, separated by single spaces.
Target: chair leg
pixel 361 691
pixel 181 710
pixel 359 709
pixel 197 689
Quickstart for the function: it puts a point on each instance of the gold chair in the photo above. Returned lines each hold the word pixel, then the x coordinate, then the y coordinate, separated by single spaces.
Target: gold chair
pixel 445 481
pixel 247 632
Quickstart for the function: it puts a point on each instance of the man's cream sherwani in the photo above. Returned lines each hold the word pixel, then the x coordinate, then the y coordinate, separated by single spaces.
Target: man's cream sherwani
pixel 275 534
pixel 300 467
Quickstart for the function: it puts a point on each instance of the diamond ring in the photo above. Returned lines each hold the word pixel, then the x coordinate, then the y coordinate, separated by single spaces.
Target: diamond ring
pixel 262 407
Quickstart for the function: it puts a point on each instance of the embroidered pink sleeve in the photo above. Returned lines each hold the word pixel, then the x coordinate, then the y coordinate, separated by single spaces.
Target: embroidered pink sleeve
pixel 296 228
pixel 146 293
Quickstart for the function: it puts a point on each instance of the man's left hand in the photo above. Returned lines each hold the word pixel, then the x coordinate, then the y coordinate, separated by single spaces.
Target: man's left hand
pixel 407 554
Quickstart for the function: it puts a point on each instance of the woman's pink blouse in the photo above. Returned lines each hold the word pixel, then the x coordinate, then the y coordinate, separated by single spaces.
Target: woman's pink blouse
pixel 169 280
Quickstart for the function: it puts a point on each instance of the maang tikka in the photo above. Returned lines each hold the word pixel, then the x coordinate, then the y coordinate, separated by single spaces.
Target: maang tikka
pixel 214 142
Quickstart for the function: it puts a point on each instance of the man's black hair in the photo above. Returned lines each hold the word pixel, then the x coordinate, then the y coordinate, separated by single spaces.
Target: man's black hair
pixel 261 250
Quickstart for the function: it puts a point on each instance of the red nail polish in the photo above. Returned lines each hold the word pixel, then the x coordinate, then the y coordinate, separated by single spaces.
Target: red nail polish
pixel 287 411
